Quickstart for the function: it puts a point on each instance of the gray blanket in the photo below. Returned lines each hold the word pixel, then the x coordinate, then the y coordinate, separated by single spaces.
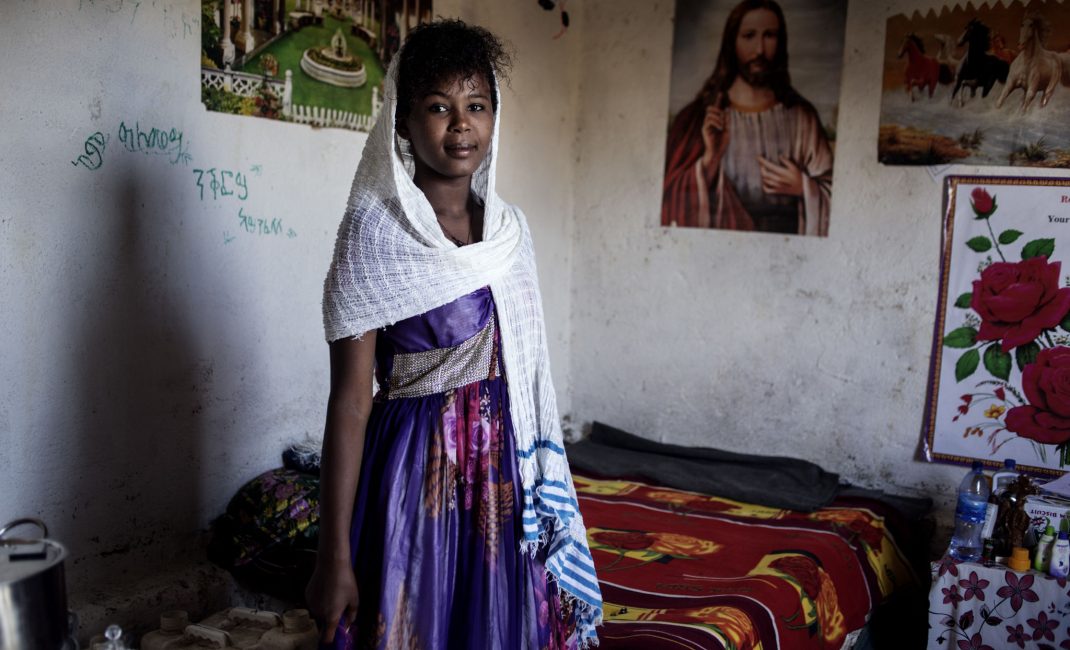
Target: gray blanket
pixel 772 481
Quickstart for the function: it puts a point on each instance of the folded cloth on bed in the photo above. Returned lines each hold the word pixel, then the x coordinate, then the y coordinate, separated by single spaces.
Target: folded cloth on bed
pixel 773 481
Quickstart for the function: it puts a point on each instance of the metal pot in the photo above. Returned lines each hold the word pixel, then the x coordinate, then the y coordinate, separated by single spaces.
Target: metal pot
pixel 33 592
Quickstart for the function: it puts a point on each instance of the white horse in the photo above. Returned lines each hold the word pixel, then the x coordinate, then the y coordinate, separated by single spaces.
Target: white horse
pixel 1035 70
pixel 1064 59
pixel 946 55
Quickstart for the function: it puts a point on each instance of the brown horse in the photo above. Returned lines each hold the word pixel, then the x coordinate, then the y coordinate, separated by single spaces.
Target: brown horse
pixel 922 71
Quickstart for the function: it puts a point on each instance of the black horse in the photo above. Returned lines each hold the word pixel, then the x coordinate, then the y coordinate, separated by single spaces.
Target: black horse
pixel 978 68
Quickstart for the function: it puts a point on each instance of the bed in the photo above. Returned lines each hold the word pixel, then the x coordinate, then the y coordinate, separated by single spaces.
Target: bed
pixel 694 548
pixel 685 569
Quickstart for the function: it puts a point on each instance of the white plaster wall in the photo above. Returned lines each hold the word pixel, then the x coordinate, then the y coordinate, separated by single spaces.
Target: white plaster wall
pixel 150 367
pixel 807 347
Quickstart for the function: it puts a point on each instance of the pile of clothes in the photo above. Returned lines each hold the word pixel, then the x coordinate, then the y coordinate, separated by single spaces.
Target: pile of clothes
pixel 267 537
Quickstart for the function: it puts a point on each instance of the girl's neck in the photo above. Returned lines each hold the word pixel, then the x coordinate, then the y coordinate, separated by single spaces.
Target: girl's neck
pixel 449 197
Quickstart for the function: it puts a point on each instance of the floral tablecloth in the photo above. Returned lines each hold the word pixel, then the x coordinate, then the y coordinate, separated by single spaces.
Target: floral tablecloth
pixel 974 607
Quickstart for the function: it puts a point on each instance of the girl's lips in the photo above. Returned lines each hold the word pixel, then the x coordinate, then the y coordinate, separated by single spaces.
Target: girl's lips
pixel 460 150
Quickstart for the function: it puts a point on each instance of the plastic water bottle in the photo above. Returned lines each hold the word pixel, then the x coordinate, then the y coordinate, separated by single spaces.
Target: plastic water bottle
pixel 970 515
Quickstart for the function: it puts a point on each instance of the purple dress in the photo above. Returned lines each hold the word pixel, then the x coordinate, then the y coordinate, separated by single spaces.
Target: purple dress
pixel 436 522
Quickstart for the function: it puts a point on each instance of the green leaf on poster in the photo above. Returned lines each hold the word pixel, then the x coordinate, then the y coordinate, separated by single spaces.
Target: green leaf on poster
pixel 1009 236
pixel 979 244
pixel 1026 354
pixel 1065 324
pixel 963 301
pixel 998 362
pixel 966 364
pixel 1038 248
pixel 962 337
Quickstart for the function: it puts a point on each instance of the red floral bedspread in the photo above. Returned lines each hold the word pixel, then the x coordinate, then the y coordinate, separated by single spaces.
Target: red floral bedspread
pixel 687 570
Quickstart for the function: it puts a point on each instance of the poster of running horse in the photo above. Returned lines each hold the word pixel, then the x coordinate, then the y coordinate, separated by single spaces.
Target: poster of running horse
pixel 982 85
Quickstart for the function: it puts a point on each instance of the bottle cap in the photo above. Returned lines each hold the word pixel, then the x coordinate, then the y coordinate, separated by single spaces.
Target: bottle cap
pixel 296 620
pixel 988 551
pixel 1009 463
pixel 1019 559
pixel 174 621
pixel 977 466
pixel 1050 530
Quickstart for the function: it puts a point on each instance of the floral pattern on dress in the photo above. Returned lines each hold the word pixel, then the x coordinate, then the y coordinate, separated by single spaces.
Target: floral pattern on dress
pixel 465 460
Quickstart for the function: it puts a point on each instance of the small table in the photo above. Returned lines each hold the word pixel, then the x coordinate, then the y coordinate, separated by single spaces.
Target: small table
pixel 972 606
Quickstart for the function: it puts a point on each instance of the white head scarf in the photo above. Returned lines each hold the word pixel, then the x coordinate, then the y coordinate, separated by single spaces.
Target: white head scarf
pixel 392 261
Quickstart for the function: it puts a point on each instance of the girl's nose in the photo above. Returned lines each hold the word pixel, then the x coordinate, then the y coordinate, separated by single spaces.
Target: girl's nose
pixel 459 123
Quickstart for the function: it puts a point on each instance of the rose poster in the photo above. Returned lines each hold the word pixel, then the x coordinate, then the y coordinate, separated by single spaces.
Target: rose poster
pixel 1000 376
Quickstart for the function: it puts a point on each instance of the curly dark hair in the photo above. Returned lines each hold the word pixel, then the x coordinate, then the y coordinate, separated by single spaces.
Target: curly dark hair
pixel 446 50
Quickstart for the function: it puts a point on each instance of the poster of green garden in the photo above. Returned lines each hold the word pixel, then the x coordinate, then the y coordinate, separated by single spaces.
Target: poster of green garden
pixel 314 62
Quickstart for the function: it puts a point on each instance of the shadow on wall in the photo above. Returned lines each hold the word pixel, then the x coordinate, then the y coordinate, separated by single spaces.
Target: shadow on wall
pixel 131 418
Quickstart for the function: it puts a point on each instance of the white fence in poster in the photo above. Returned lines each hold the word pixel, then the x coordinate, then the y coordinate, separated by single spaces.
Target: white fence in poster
pixel 244 84
pixel 319 116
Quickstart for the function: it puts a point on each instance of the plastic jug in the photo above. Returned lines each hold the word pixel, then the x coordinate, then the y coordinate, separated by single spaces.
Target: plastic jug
pixel 244 626
pixel 172 629
pixel 253 629
pixel 298 632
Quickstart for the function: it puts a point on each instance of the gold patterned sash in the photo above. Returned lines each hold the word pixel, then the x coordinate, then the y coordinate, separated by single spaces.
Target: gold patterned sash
pixel 416 374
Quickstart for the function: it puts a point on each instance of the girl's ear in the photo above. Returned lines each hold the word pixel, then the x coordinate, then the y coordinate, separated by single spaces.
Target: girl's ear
pixel 402 128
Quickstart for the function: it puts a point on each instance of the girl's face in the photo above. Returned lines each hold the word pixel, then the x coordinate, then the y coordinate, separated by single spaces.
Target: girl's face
pixel 450 128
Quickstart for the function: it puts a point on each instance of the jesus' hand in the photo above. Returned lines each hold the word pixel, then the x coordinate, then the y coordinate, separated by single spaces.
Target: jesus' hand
pixel 713 137
pixel 783 178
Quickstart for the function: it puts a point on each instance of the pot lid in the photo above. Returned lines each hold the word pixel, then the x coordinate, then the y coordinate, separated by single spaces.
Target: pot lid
pixel 20 558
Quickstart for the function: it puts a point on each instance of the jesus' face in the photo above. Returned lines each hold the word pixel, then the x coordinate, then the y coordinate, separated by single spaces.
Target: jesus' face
pixel 756 45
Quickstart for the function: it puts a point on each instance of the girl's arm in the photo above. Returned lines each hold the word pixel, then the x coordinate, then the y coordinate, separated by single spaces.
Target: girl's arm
pixel 332 591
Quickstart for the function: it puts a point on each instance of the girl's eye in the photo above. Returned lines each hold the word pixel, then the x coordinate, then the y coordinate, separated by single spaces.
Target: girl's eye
pixel 476 107
pixel 437 108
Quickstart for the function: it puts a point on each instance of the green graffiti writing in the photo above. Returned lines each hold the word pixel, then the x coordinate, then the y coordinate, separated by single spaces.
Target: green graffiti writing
pixel 222 182
pixel 262 227
pixel 155 141
pixel 93 157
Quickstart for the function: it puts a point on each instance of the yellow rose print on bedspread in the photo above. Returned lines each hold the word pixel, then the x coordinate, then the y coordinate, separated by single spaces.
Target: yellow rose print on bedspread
pixel 730 625
pixel 819 605
pixel 690 502
pixel 645 547
pixel 862 527
pixel 592 486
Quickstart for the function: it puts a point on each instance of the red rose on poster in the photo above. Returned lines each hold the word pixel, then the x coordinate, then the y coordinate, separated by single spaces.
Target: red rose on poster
pixel 983 203
pixel 1019 300
pixel 1046 384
